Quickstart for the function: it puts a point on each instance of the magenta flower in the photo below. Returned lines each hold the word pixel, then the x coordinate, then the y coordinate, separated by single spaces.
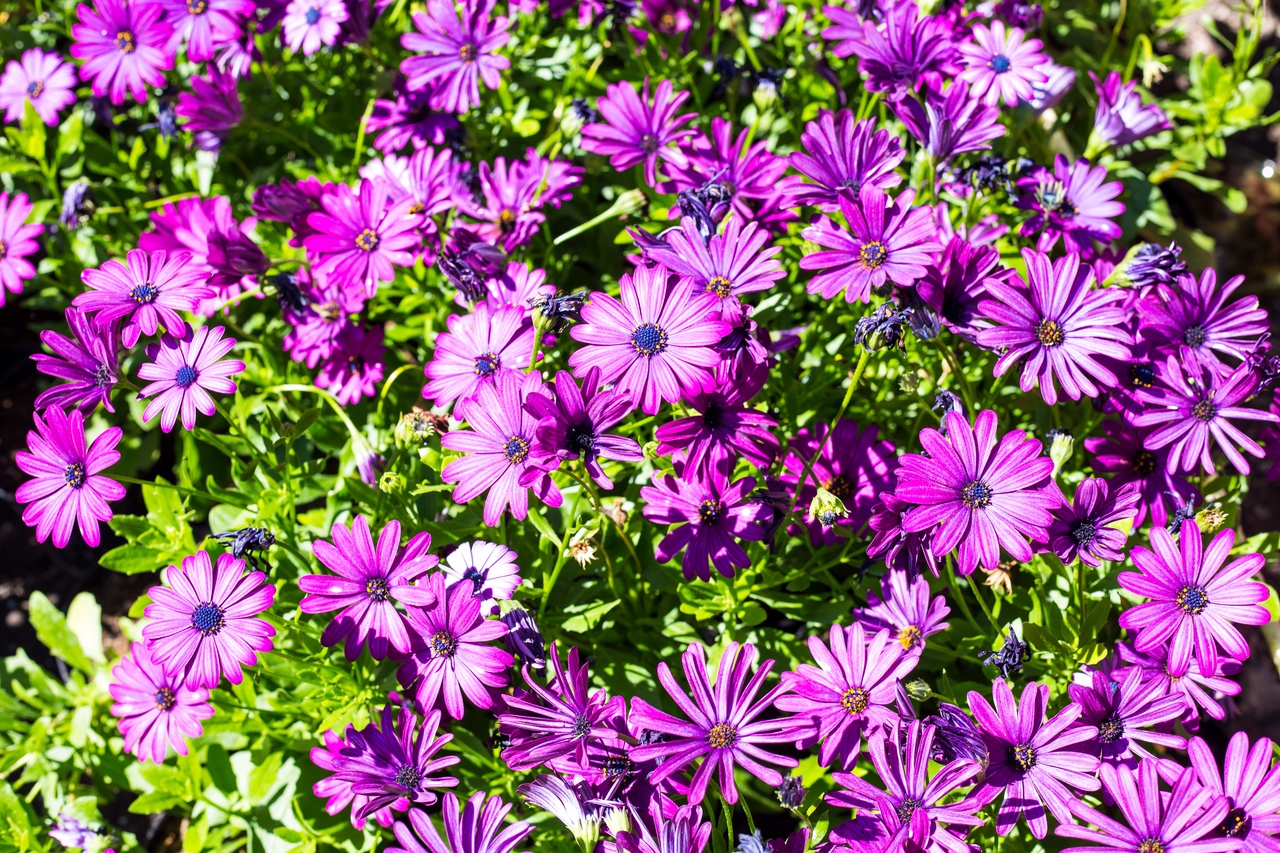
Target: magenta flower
pixel 724 726
pixel 749 171
pixel 724 426
pixel 312 24
pixel 452 656
pixel 886 240
pixel 205 25
pixel 1122 456
pixel 955 285
pixel 1123 712
pixel 498 448
pixel 905 607
pixel 336 793
pixel 638 130
pixel 1251 786
pixel 1075 201
pixel 408 120
pixel 1121 118
pixel 458 52
pixel 315 331
pixel 88 361
pixel 353 370
pixel 1201 691
pixel 718 514
pixel 855 465
pixel 849 691
pixel 1002 63
pixel 951 124
pixel 490 568
pixel 366 583
pixel 1059 325
pixel 477 347
pixel 1194 321
pixel 657 343
pixel 220 246
pixel 204 623
pixel 123 44
pixel 477 827
pixel 17 241
pixel 1033 761
pixel 360 238
pixel 147 291
pixel 507 204
pixel 1084 528
pixel 155 711
pixel 1195 600
pixel 43 80
pixel 911 552
pixel 1059 79
pixel 730 264
pixel 67 486
pixel 183 371
pixel 907 51
pixel 572 426
pixel 844 158
pixel 211 109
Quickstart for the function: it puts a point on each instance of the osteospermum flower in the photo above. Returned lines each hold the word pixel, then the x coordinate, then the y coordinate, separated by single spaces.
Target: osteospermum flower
pixel 506 205
pixel 569 804
pixel 905 607
pixel 656 831
pixel 1085 528
pixel 360 237
pixel 956 284
pixel 458 52
pixel 1196 601
pixel 17 241
pixel 490 568
pixel 183 371
pixel 87 361
pixel 1123 712
pixel 730 264
pixel 898 548
pixel 724 726
pixel 908 50
pixel 211 109
pixel 723 425
pixel 1059 326
pixel 123 44
pixel 1002 63
pixel 1250 784
pixel 366 583
pixel 477 827
pixel 844 158
pixel 336 793
pixel 573 424
pixel 146 291
pixel 477 347
pixel 1194 321
pixel 1031 759
pixel 395 765
pixel 886 240
pixel 205 25
pixel 1121 118
pixel 220 246
pixel 1203 692
pixel 950 124
pixel 315 330
pixel 355 367
pixel 42 79
pixel 1121 455
pixel 498 448
pixel 155 711
pixel 855 465
pixel 637 129
pixel 751 174
pixel 204 622
pixel 1075 201
pixel 847 692
pixel 66 486
pixel 657 343
pixel 983 494
pixel 408 121
pixel 312 24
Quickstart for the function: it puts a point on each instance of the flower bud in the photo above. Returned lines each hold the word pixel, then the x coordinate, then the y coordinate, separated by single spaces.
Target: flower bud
pixel 918 689
pixel 1061 445
pixel 631 201
pixel 415 428
pixel 523 638
pixel 826 508
pixel 1212 518
pixel 791 792
pixel 391 483
pixel 768 89
pixel 552 313
pixel 576 116
pixel 617 820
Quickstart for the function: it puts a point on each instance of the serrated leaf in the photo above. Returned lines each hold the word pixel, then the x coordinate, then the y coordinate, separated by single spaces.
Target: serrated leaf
pixel 52 629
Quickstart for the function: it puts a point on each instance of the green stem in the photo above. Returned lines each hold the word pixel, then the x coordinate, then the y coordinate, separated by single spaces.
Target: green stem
pixel 182 490
pixel 959 594
pixel 953 361
pixel 537 342
pixel 848 398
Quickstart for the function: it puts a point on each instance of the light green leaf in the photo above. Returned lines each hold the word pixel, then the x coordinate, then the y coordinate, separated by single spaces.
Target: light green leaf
pixel 52 629
pixel 34 135
pixel 264 776
pixel 197 833
pixel 84 616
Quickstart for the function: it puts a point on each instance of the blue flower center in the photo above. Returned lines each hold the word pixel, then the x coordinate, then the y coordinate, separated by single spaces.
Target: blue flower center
pixel 907 808
pixel 477 580
pixel 377 589
pixel 74 475
pixel 722 736
pixel 487 364
pixel 1084 532
pixel 186 376
pixel 581 438
pixel 999 63
pixel 1195 336
pixel 648 340
pixel 873 254
pixel 124 42
pixel 1050 333
pixel 1142 375
pixel 443 644
pixel 581 726
pixel 976 495
pixel 144 293
pixel 313 15
pixel 408 777
pixel 709 512
pixel 103 376
pixel 516 449
pixel 1192 600
pixel 617 766
pixel 166 699
pixel 1022 756
pixel 367 240
pixel 35 88
pixel 207 619
pixel 1111 729
pixel 1204 411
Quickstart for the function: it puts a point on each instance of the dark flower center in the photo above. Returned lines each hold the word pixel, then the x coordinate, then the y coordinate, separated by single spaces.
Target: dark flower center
pixel 197 7
pixel 417 207
pixel 976 495
pixel 999 63
pixel 1022 756
pixel 649 143
pixel 443 644
pixel 616 766
pixel 1111 729
pixel 720 286
pixel 330 312
pixel 166 699
pixel 74 475
pixel 1084 532
pixel 1204 411
pixel 854 701
pixel 1142 375
pixel 1151 845
pixel 722 736
pixel 828 518
pixel 516 449
pixel 207 619
pixel 144 293
pixel 1195 336
pixel 408 777
pixel 313 15
pixel 648 340
pixel 487 364
pixel 840 486
pixel 709 511
pixel 1235 824
pixel 907 808
pixel 910 637
pixel 1192 600
pixel 124 42
pixel 1144 463
pixel 1050 333
pixel 872 255
pixel 103 376
pixel 581 726
pixel 506 220
pixel 713 417
pixel 35 88
pixel 4 250
pixel 581 438
pixel 186 376
pixel 367 240
pixel 477 580
pixel 468 52
pixel 376 588
pixel 1066 209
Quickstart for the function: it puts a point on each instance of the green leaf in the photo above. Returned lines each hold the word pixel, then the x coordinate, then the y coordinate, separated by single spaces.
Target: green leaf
pixel 34 135
pixel 70 135
pixel 197 833
pixel 264 776
pixel 52 629
pixel 133 560
pixel 218 763
pixel 156 801
pixel 84 617
pixel 587 618
pixel 545 529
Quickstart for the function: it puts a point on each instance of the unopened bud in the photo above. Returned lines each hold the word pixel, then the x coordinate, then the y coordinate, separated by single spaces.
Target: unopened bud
pixel 617 820
pixel 1211 519
pixel 631 201
pixel 1061 445
pixel 826 508
pixel 918 689
pixel 791 792
pixel 576 116
pixel 415 428
pixel 391 483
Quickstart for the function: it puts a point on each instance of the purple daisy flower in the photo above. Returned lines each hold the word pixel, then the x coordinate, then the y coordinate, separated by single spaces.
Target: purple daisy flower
pixel 123 44
pixel 66 486
pixel 905 608
pixel 88 362
pixel 394 765
pixel 498 448
pixel 1122 456
pixel 204 622
pixel 725 426
pixel 849 691
pixel 312 24
pixel 1200 691
pixel 1121 118
pixel 657 343
pixel 506 205
pixel 183 371
pixel 730 264
pixel 1195 600
pixel 490 568
pixel 360 237
pixel 336 793
pixel 844 158
pixel 220 246
pixel 1060 324
pixel 911 49
pixel 42 79
pixel 1033 761
pixel 886 240
pixel 211 109
pixel 1075 201
pixel 637 130
pixel 408 120
pixel 452 656
pixel 660 832
pixel 476 827
pixel 17 241
pixel 718 514
pixel 147 291
pixel 893 544
pixel 314 331
pixel 205 25
pixel 1002 63
pixel 365 586
pixel 724 726
pixel 1191 413
pixel 1123 711
pixel 1251 786
pixel 557 729
pixel 749 171
pixel 355 368
pixel 1193 320
pixel 573 424
pixel 458 52
pixel 956 284
pixel 983 495
pixel 477 347
pixel 155 711
pixel 951 124
pixel 1084 528
pixel 1184 819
